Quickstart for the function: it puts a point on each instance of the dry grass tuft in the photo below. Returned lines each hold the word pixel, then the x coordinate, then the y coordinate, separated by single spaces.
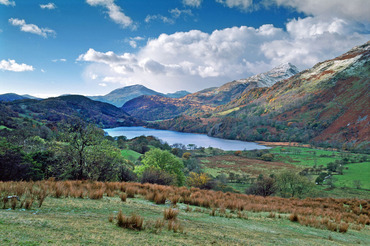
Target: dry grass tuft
pixel 123 197
pixel 134 222
pixel 293 217
pixel 96 194
pixel 170 214
pixel 343 227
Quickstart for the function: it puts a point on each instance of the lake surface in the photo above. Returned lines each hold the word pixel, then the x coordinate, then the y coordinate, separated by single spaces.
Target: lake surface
pixel 172 137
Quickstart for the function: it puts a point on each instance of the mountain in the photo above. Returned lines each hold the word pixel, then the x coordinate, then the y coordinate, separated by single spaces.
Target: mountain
pixel 177 94
pixel 73 107
pixel 329 103
pixel 120 96
pixel 221 95
pixel 152 108
pixel 8 97
pixel 158 107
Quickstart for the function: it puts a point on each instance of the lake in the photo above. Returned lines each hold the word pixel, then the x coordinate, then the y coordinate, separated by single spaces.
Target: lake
pixel 172 137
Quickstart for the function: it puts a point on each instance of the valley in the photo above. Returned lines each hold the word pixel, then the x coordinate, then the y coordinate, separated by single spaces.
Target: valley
pixel 310 183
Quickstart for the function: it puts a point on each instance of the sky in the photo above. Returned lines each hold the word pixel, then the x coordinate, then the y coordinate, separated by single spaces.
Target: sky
pixel 91 47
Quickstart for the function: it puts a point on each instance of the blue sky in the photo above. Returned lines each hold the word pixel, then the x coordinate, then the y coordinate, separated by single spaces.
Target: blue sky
pixel 90 47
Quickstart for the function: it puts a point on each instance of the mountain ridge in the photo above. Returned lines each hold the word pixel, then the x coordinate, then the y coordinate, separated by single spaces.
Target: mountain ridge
pixel 328 103
pixel 159 108
pixel 120 96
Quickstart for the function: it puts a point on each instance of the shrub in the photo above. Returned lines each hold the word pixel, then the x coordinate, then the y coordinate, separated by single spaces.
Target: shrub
pixel 131 191
pixel 111 217
pixel 134 222
pixel 156 176
pixel 343 227
pixel 263 187
pixel 96 194
pixel 170 214
pixel 175 199
pixel 159 198
pixel 174 226
pixel 123 197
pixel 293 217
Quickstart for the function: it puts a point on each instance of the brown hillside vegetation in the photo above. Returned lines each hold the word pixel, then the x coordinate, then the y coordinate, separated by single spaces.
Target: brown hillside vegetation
pixel 245 165
pixel 332 214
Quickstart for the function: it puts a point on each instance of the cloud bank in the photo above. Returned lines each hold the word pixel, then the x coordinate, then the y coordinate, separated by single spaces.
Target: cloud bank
pixel 195 60
pixel 11 65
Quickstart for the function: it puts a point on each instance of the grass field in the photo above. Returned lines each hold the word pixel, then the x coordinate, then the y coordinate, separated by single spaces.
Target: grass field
pixel 75 221
pixel 305 156
pixel 356 171
pixel 130 154
pixel 296 158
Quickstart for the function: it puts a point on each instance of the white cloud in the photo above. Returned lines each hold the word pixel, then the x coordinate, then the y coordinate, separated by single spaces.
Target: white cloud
pixel 42 70
pixel 352 10
pixel 133 41
pixel 192 3
pixel 103 84
pixel 242 4
pixel 195 60
pixel 11 65
pixel 114 12
pixel 7 3
pixel 31 28
pixel 175 14
pixel 162 18
pixel 48 6
pixel 59 60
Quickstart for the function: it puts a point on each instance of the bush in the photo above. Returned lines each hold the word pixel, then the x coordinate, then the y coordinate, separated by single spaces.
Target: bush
pixel 156 176
pixel 263 187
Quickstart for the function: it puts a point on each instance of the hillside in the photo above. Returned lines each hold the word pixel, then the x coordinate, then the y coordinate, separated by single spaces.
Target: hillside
pixel 152 108
pixel 120 96
pixel 327 103
pixel 159 108
pixel 221 95
pixel 73 107
pixel 80 212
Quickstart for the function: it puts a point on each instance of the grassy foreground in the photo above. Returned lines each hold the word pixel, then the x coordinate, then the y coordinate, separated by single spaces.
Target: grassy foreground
pixel 76 221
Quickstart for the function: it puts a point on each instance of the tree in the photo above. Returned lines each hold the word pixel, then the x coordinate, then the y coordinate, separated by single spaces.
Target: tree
pixel 86 154
pixel 162 160
pixel 15 164
pixel 157 176
pixel 291 184
pixel 198 180
pixel 357 184
pixel 263 187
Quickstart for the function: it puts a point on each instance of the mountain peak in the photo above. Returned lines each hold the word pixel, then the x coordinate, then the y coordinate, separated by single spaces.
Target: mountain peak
pixel 267 79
